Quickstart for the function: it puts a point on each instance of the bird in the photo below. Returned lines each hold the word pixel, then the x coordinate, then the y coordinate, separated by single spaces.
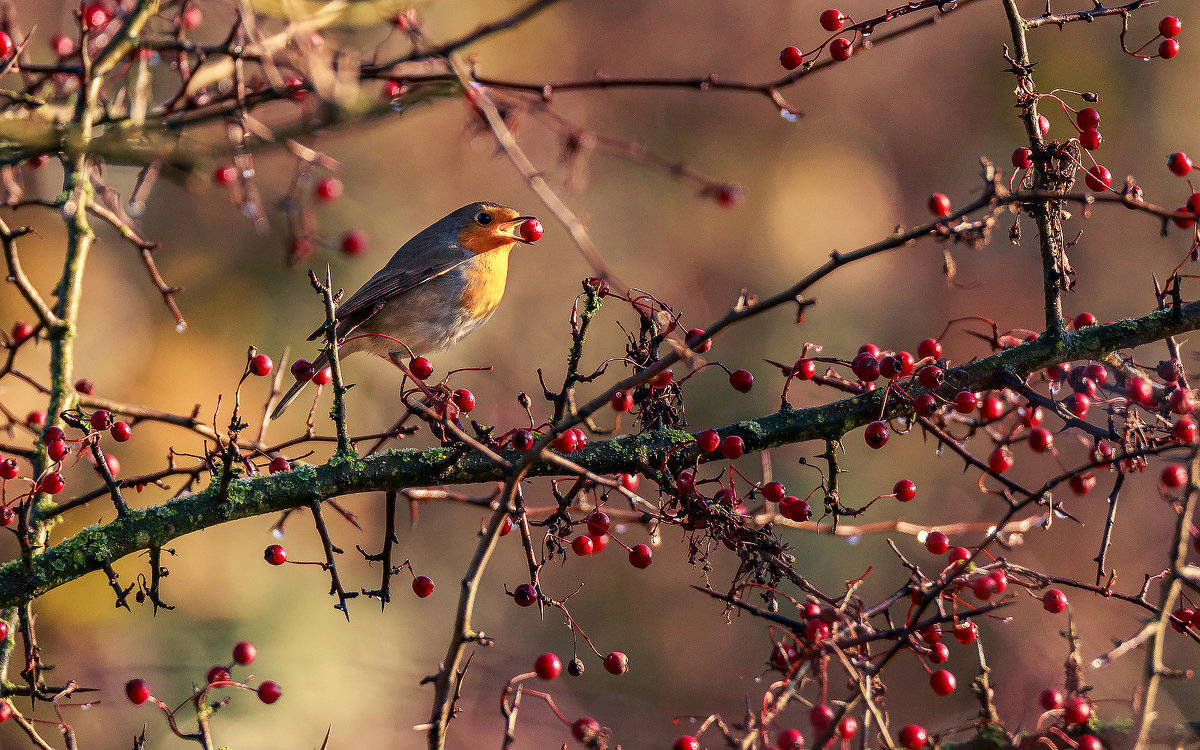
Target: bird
pixel 438 287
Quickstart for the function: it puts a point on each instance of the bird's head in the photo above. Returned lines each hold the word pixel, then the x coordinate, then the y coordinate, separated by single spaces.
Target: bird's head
pixel 483 227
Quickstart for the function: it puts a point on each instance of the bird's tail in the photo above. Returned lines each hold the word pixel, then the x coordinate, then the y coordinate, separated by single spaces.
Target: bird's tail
pixel 318 364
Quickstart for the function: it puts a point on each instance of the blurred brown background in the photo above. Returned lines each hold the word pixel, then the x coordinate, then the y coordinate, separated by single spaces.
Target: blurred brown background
pixel 880 133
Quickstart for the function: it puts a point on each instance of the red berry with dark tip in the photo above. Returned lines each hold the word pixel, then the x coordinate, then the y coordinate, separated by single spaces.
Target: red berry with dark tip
pixel 585 730
pixel 275 554
pixel 52 484
pixel 8 470
pixel 1087 118
pixel 217 673
pixel 302 370
pixel 261 365
pixel 1179 163
pixel 939 204
pixel 420 367
pixel 622 401
pixel 1098 178
pixel 640 556
pixel 732 447
pixel 525 595
pixel 616 663
pixel 876 434
pixel 804 369
pixel 965 402
pixel 1040 439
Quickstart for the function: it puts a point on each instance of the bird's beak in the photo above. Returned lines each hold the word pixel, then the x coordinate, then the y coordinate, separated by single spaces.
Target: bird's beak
pixel 512 228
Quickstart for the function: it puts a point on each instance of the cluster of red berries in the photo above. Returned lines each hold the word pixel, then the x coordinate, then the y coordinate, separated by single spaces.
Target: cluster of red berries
pixel 548 666
pixel 219 675
pixel 1168 29
pixel 840 48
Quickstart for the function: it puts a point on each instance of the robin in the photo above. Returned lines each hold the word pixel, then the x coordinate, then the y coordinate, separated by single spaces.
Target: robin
pixel 439 286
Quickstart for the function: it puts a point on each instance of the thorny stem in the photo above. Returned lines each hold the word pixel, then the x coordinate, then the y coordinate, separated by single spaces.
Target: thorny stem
pixel 338 412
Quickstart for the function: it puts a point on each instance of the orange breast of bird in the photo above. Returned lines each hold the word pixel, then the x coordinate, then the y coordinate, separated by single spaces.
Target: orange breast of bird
pixel 484 278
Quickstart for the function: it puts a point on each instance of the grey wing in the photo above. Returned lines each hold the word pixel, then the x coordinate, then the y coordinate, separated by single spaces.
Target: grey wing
pixel 384 285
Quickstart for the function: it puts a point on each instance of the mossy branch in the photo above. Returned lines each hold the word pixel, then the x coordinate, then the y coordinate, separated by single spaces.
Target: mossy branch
pixel 91 549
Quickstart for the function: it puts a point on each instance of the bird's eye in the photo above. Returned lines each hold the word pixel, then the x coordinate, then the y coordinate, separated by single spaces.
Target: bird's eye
pixel 483 218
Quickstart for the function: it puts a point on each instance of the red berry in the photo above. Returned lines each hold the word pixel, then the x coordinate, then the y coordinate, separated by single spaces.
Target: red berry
pixel 794 509
pixel 1040 439
pixel 1050 699
pixel 959 554
pixel 686 742
pixel 302 370
pixel 616 663
pixel 741 380
pixel 1001 460
pixel 939 204
pixel 582 545
pixel 1078 404
pixel 85 386
pixel 942 682
pixel 279 464
pixel 525 595
pixel 866 367
pixel 275 554
pixel 662 379
pixel 984 588
pixel 8 470
pixel 58 450
pixel 225 174
pixel 95 16
pixel 1087 118
pixel 1179 163
pixel 138 691
pixel 622 401
pixel 599 542
pixel 62 44
pixel 21 331
pixel 191 18
pixel 422 586
pixel 939 653
pixel 1193 203
pixel 773 491
pixel 1182 401
pixel 585 730
pixel 1081 484
pixel 244 652
pixel 261 365
pixel 420 367
pixel 876 434
pixel 269 692
pixel 1054 601
pixel 1185 430
pixel 1174 476
pixel 1090 742
pixel 1083 320
pixel 1183 222
pixel 50 434
pixel 506 527
pixel 112 464
pixel 905 490
pixel 804 369
pixel 1098 178
pixel 841 49
pixel 464 400
pixel 708 441
pixel 929 348
pixel 847 727
pixel 791 58
pixel 566 442
pixel 1022 158
pixel 931 634
pixel 833 20
pixel 640 556
pixel 913 737
pixel 1090 139
pixel 548 666
pixel 821 716
pixel 937 543
pixel 1043 125
pixel 926 405
pixel 328 189
pixel 1077 710
pixel 686 481
pixel 52 483
pixel 965 631
pixel 323 376
pixel 965 402
pixel 1170 27
pixel 732 447
pixel 790 739
pixel 217 673
pixel 354 242
pixel 1166 50
pixel 930 376
pixel 531 230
